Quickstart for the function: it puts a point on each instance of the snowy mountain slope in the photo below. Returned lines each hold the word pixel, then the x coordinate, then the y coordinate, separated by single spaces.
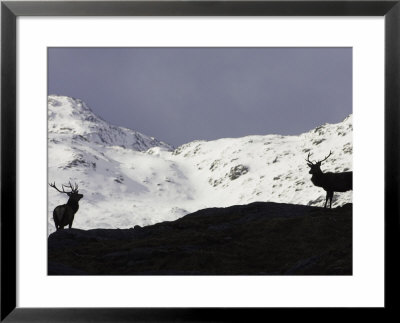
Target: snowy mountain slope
pixel 269 168
pixel 131 179
pixel 72 118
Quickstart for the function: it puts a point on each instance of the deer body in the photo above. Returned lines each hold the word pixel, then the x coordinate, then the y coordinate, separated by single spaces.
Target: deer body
pixel 330 182
pixel 64 214
pixel 337 182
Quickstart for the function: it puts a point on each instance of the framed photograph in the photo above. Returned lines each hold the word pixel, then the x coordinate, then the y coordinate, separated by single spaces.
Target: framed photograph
pixel 217 185
pixel 198 160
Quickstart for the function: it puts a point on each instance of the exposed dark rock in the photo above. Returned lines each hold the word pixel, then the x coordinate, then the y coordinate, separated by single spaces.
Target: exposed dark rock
pixel 348 148
pixel 119 179
pixel 318 141
pixel 214 164
pixel 238 171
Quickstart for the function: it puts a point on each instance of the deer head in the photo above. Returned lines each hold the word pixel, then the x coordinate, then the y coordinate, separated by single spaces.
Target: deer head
pixel 73 194
pixel 316 166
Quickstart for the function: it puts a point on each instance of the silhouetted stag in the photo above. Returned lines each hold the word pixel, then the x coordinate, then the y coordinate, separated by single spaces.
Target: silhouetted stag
pixel 64 214
pixel 330 182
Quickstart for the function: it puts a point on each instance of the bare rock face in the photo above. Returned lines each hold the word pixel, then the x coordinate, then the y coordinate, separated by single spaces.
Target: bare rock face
pixel 237 171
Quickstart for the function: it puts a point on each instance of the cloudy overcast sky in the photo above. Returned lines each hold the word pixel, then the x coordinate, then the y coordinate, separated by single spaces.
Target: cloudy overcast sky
pixel 182 94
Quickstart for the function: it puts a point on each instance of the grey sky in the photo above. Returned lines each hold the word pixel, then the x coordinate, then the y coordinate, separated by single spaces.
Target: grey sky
pixel 181 94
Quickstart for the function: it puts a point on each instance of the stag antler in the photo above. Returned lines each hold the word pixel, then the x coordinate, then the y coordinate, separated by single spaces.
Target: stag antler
pixel 73 189
pixel 54 186
pixel 309 162
pixel 330 153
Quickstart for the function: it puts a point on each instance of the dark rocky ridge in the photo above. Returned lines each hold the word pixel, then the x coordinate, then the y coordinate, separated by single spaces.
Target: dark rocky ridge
pixel 255 239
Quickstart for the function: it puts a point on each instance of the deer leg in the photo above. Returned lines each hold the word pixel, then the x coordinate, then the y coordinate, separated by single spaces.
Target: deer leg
pixel 70 222
pixel 330 199
pixel 326 199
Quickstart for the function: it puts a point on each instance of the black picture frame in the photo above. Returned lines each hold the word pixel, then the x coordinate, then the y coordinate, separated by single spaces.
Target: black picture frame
pixel 11 10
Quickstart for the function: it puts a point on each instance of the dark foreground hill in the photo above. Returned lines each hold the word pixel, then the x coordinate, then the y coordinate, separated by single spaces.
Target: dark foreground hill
pixel 254 239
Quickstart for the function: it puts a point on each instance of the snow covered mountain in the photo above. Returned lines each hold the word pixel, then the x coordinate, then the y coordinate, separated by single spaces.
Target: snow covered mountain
pixel 72 119
pixel 130 179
